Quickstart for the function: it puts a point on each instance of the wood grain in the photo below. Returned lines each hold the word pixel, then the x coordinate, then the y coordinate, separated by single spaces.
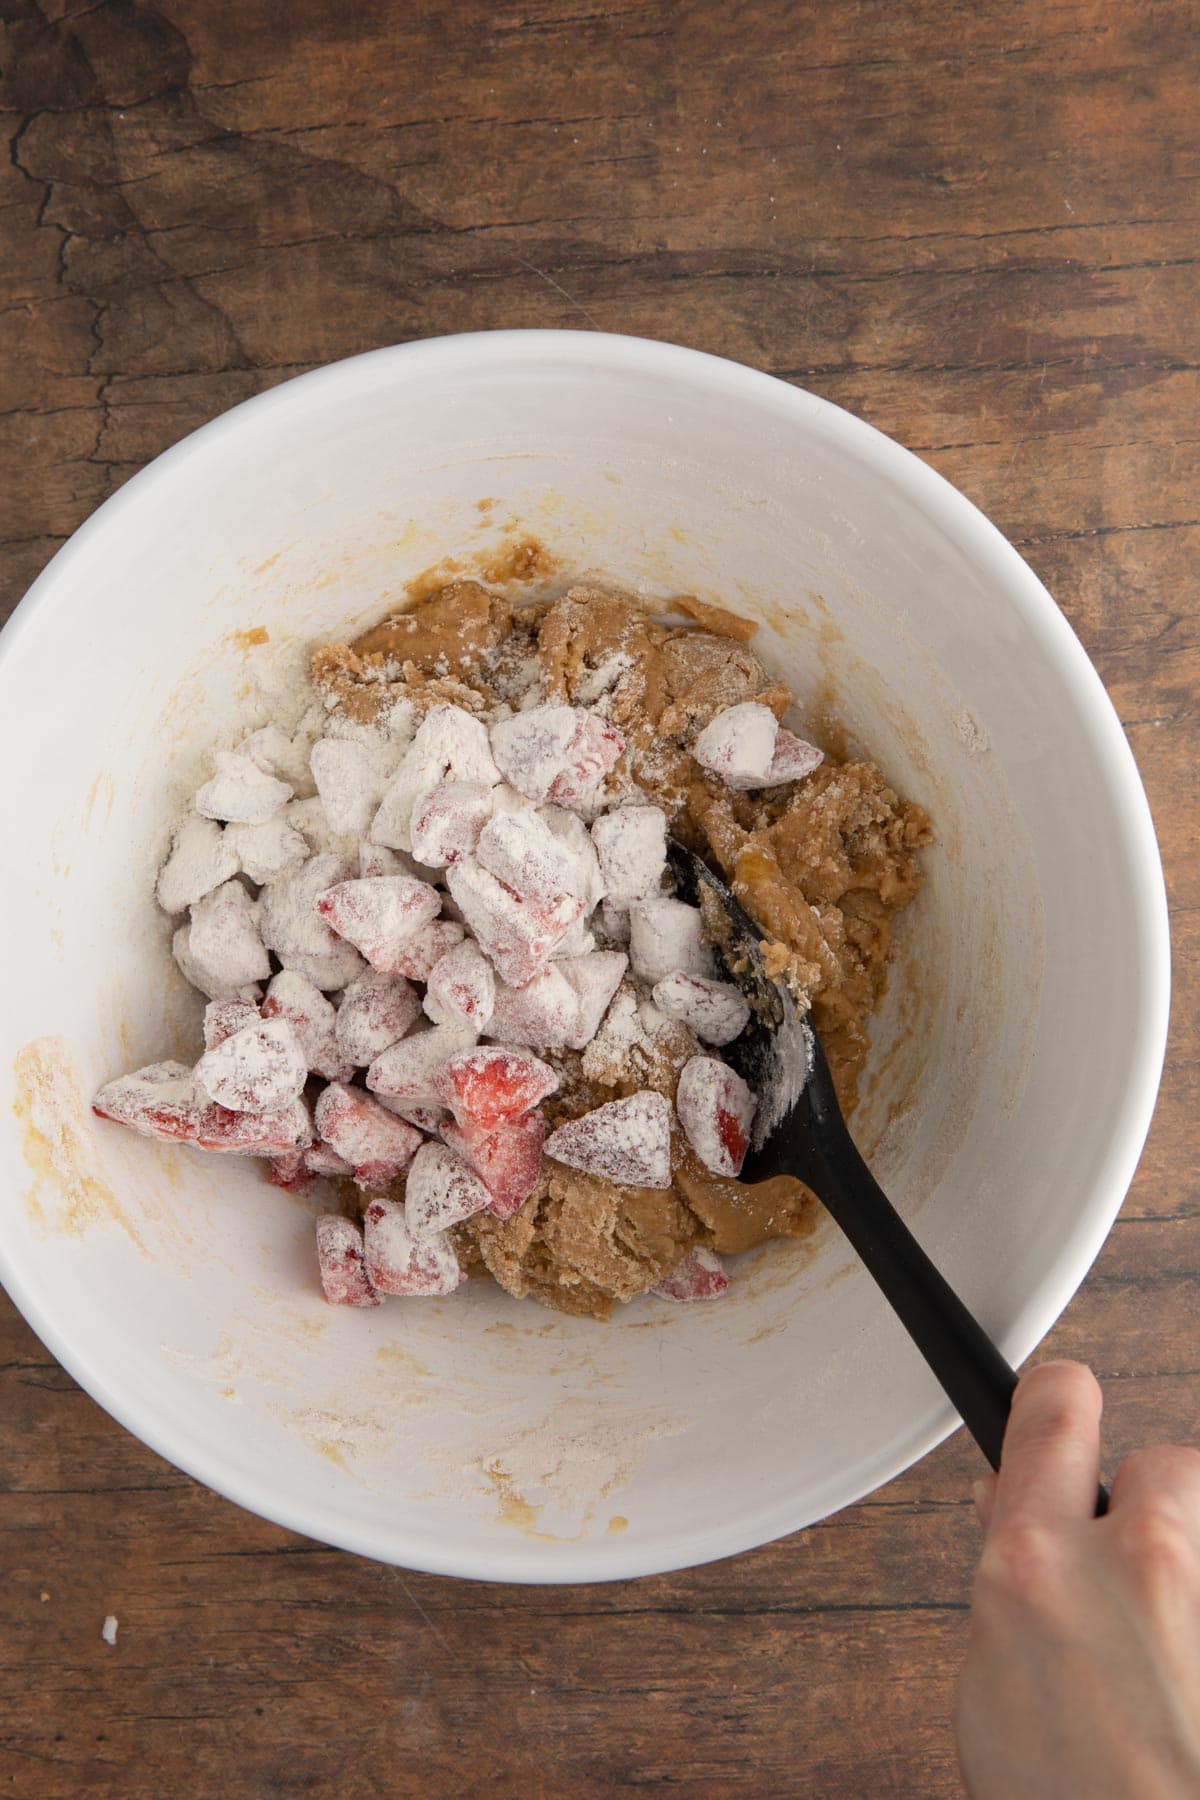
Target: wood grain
pixel 975 227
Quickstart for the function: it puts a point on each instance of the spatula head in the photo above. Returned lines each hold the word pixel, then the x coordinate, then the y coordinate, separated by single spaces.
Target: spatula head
pixel 774 1054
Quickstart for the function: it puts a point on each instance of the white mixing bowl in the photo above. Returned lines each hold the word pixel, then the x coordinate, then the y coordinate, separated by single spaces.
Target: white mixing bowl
pixel 1017 1054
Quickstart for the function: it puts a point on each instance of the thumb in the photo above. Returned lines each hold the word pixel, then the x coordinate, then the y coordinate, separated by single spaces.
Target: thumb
pixel 984 1495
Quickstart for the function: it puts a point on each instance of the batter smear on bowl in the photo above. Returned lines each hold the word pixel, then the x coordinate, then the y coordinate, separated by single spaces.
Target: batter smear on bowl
pixel 444 969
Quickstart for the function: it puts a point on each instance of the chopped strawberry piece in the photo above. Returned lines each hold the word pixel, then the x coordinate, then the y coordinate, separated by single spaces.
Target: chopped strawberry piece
pixel 576 840
pixel 341 1259
pixel 270 747
pixel 376 1011
pixel 447 821
pixel 270 1133
pixel 521 851
pixel 417 955
pixel 542 1013
pixel 700 1276
pixel 223 1017
pixel 717 1011
pixel 738 744
pixel 241 791
pixel 627 1141
pixel 793 759
pixel 456 742
pixel 255 1069
pixel 631 843
pixel 531 748
pixel 555 752
pixel 223 942
pixel 269 850
pixel 593 979
pixel 715 1109
pixel 666 935
pixel 313 1018
pixel 412 1069
pixel 400 1263
pixel 441 1190
pixel 594 750
pixel 201 858
pixel 294 929
pixel 519 936
pixel 204 979
pixel 350 780
pixel 290 1172
pixel 163 1101
pixel 493 1086
pixel 147 1099
pixel 746 748
pixel 508 1158
pixel 377 914
pixel 373 1141
pixel 462 988
pixel 449 742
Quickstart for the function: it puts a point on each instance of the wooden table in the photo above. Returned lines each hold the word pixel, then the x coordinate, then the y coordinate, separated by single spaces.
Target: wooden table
pixel 975 227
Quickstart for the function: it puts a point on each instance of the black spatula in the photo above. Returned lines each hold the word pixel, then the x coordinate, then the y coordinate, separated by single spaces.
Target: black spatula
pixel 799 1130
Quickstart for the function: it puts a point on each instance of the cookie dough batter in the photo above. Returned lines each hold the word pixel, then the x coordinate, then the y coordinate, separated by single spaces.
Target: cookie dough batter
pixel 824 864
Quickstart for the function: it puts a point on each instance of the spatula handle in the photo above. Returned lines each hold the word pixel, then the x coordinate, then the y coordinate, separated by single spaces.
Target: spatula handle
pixel 977 1379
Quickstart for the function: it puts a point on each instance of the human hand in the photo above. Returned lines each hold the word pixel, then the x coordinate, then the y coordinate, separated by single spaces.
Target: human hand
pixel 1082 1675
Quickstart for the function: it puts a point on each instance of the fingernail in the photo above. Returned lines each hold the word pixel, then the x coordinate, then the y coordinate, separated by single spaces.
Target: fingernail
pixel 981 1493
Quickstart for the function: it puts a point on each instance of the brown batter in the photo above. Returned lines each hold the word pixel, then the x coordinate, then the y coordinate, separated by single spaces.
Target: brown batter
pixel 824 865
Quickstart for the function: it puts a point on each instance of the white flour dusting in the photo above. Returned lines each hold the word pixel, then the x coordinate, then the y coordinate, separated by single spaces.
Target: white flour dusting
pixel 566 1464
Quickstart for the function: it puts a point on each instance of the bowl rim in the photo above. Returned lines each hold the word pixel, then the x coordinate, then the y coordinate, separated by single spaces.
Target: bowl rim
pixel 986 547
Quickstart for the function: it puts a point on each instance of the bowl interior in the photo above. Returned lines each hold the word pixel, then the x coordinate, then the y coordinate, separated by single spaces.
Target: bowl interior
pixel 1016 1056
